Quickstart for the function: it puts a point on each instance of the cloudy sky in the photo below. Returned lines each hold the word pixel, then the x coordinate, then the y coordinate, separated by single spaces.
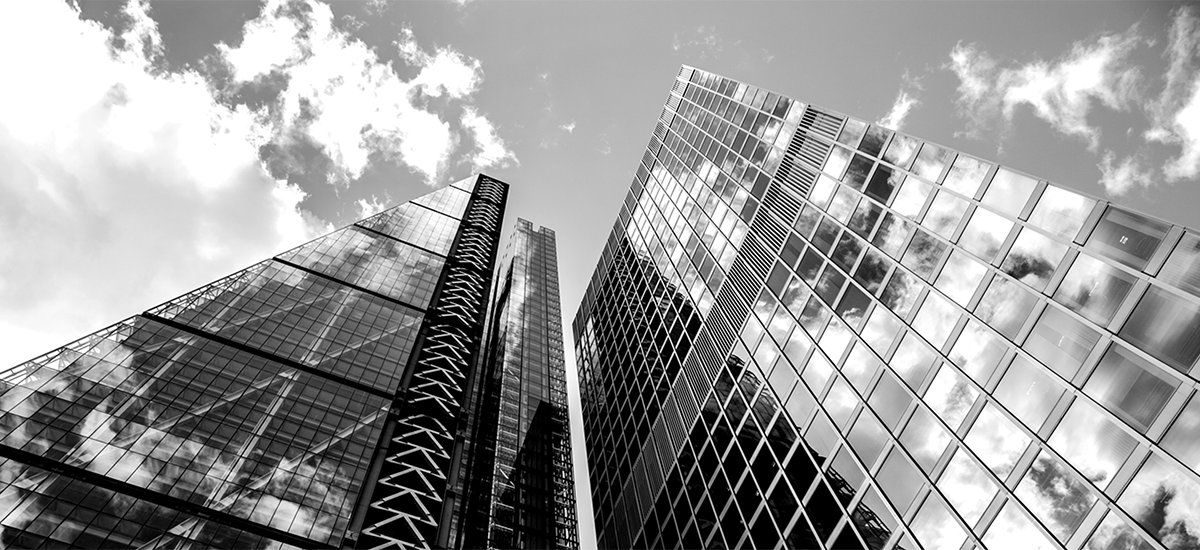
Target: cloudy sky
pixel 146 149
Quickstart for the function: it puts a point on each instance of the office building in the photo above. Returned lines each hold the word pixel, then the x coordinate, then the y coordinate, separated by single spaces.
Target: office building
pixel 520 483
pixel 807 330
pixel 312 400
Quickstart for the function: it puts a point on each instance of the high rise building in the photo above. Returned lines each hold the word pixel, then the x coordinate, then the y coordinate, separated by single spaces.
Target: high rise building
pixel 807 330
pixel 311 400
pixel 520 490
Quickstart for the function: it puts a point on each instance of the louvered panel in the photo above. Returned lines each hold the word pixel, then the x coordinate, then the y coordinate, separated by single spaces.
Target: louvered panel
pixel 744 283
pixel 809 150
pixel 782 203
pixel 688 407
pixel 820 122
pixel 660 129
pixel 760 261
pixel 680 85
pixel 673 102
pixel 769 229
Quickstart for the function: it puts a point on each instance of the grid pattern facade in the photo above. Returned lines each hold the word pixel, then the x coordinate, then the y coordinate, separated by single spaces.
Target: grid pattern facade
pixel 908 347
pixel 244 414
pixel 521 483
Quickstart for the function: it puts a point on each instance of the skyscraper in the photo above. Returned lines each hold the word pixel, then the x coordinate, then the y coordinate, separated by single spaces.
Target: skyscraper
pixel 812 331
pixel 311 400
pixel 520 483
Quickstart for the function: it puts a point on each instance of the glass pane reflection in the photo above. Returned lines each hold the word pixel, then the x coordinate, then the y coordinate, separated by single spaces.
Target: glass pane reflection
pixel 1183 439
pixel 1055 496
pixel 900 150
pixel 950 396
pixel 1061 212
pixel 1166 327
pixel 1131 388
pixel 1094 289
pixel 966 175
pixel 1060 342
pixel 1092 443
pixel 1012 529
pixel 924 438
pixel 1005 306
pixel 967 487
pixel 1114 533
pixel 985 233
pixel 944 214
pixel 911 197
pixel 935 528
pixel 1028 392
pixel 978 351
pixel 1127 237
pixel 1009 191
pixel 997 441
pixel 1033 259
pixel 1161 498
pixel 960 277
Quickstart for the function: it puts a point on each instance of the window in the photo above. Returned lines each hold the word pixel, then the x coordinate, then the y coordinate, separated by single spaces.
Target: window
pixel 930 162
pixel 967 487
pixel 1183 267
pixel 985 233
pixel 1061 212
pixel 950 396
pixel 1126 237
pixel 1166 327
pixel 924 438
pixel 867 437
pixel 977 351
pixel 889 400
pixel 1028 392
pixel 1005 306
pixel 856 175
pixel 936 319
pixel 900 150
pixel 912 360
pixel 891 234
pixel 883 182
pixel 1094 289
pixel 923 254
pixel 965 175
pixel 911 197
pixel 944 214
pixel 1131 388
pixel 1060 342
pixel 960 277
pixel 1012 529
pixel 823 189
pixel 852 132
pixel 901 293
pixel 1055 496
pixel 1009 191
pixel 874 139
pixel 935 528
pixel 1091 442
pixel 1143 498
pixel 864 218
pixel 871 271
pixel 899 480
pixel 1183 439
pixel 838 159
pixel 997 441
pixel 1033 259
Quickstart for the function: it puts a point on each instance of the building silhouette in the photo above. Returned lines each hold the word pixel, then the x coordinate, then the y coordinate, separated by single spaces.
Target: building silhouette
pixel 809 331
pixel 313 400
pixel 520 487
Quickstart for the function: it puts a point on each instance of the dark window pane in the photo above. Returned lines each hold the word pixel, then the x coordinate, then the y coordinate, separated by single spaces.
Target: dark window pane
pixel 1167 328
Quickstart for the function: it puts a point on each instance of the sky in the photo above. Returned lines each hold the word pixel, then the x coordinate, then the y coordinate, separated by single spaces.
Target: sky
pixel 149 148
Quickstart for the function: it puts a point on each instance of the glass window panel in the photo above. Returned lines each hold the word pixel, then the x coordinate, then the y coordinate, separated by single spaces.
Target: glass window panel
pixel 911 197
pixel 924 438
pixel 1094 289
pixel 966 486
pixel 891 234
pixel 864 218
pixel 860 367
pixel 843 203
pixel 871 271
pixel 817 372
pixel 936 319
pixel 889 400
pixel 1033 259
pixel 810 265
pixel 912 360
pixel 821 437
pixel 838 159
pixel 997 441
pixel 944 214
pixel 829 285
pixel 1183 266
pixel 1166 327
pixel 1005 306
pixel 1092 443
pixel 856 174
pixel 823 189
pixel 930 162
pixel 978 351
pixel 814 316
pixel 874 139
pixel 835 339
pixel 1114 533
pixel 867 437
pixel 1060 342
pixel 1161 498
pixel 883 182
pixel 900 150
pixel 847 251
pixel 881 330
pixel 950 396
pixel 923 254
pixel 899 480
pixel 901 293
pixel 966 175
pixel 1183 439
pixel 1061 212
pixel 850 474
pixel 935 528
pixel 840 402
pixel 807 221
pixel 1009 191
pixel 852 132
pixel 1055 496
pixel 985 233
pixel 1028 392
pixel 960 277
pixel 1012 529
pixel 1131 388
pixel 1127 237
pixel 853 306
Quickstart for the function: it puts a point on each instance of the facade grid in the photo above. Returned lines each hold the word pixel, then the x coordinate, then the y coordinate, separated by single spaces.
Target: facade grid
pixel 884 344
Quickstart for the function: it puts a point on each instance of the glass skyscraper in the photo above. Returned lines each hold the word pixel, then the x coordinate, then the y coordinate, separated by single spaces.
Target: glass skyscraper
pixel 520 490
pixel 810 331
pixel 312 400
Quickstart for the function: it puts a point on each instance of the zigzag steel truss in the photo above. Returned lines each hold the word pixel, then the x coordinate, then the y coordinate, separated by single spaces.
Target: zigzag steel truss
pixel 408 506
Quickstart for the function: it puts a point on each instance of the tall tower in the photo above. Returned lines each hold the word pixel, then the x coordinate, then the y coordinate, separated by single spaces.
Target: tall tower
pixel 812 331
pixel 520 484
pixel 311 400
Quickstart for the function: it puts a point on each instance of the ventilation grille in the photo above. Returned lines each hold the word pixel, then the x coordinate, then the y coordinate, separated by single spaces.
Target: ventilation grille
pixel 821 123
pixel 771 231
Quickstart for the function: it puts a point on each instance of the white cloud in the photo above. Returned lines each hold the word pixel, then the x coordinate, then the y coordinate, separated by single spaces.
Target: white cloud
pixel 337 94
pixel 1119 177
pixel 903 104
pixel 1175 115
pixel 489 150
pixel 121 183
pixel 367 208
pixel 569 127
pixel 1062 92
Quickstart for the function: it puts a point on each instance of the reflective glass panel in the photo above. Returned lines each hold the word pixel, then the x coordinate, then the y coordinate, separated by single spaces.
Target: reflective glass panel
pixel 936 318
pixel 1061 212
pixel 867 437
pixel 842 205
pixel 1060 342
pixel 1161 498
pixel 1055 496
pixel 966 486
pixel 1183 438
pixel 912 360
pixel 874 139
pixel 840 402
pixel 1166 327
pixel 891 234
pixel 996 440
pixel 1131 388
pixel 883 182
pixel 923 254
pixel 985 233
pixel 1127 237
pixel 852 132
pixel 1009 191
pixel 899 479
pixel 889 400
pixel 856 174
pixel 1183 266
pixel 1094 289
pixel 1005 306
pixel 901 293
pixel 924 438
pixel 911 197
pixel 864 218
pixel 1114 533
pixel 881 330
pixel 1033 259
pixel 944 214
pixel 930 162
pixel 1012 529
pixel 1028 392
pixel 935 528
pixel 965 175
pixel 1092 443
pixel 978 351
pixel 900 150
pixel 838 159
pixel 960 277
pixel 871 271
pixel 950 396
pixel 823 189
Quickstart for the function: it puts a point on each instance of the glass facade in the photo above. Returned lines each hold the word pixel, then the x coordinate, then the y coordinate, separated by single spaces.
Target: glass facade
pixel 520 484
pixel 808 331
pixel 256 411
